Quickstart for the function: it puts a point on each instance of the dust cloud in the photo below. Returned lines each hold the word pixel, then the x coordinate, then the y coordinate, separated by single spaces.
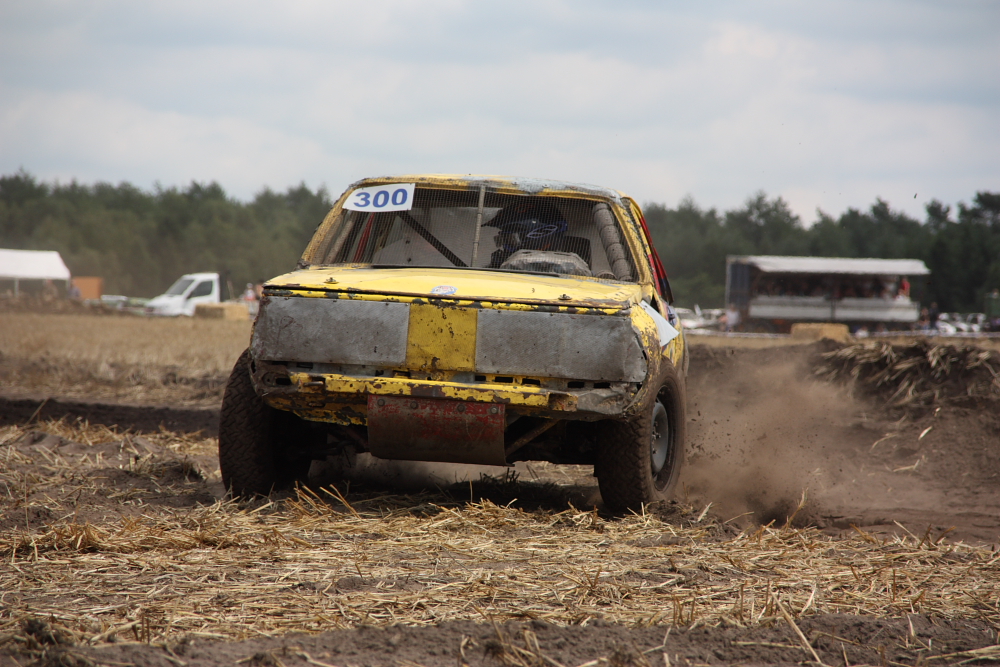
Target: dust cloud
pixel 763 434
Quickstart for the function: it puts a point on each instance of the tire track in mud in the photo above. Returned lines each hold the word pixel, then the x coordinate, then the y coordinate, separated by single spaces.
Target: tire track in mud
pixel 136 418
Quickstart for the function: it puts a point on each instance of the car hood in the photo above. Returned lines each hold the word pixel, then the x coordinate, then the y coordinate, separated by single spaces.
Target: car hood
pixel 463 284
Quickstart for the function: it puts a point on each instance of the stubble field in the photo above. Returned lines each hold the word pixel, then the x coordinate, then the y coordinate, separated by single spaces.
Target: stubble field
pixel 117 546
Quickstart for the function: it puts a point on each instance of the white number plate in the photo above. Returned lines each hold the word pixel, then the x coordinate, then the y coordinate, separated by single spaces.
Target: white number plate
pixel 395 197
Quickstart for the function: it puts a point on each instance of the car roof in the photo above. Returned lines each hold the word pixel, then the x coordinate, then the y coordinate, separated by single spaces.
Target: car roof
pixel 836 265
pixel 513 184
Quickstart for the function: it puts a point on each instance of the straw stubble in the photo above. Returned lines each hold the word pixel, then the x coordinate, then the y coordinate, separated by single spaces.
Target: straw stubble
pixel 310 563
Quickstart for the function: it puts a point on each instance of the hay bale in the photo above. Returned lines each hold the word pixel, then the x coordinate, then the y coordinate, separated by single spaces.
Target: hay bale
pixel 821 330
pixel 222 311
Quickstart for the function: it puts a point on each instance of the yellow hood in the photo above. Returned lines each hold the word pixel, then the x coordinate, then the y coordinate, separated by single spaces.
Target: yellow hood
pixel 465 284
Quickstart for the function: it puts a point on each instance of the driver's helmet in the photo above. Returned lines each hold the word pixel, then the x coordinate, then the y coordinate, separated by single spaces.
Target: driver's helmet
pixel 534 225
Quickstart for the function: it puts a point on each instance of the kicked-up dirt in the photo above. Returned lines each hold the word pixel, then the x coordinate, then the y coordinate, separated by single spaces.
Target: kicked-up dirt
pixel 116 546
pixel 764 432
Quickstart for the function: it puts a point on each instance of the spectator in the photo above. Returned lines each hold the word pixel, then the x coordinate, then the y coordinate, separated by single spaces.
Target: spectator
pixel 49 292
pixel 993 310
pixel 924 323
pixel 904 287
pixel 732 317
pixel 250 299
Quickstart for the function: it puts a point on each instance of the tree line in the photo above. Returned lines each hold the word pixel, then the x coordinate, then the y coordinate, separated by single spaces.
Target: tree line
pixel 961 248
pixel 141 241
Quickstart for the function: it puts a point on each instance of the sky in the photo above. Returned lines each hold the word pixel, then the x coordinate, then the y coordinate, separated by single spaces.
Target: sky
pixel 829 105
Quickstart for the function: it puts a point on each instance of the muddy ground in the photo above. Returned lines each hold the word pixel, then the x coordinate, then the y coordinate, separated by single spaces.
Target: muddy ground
pixel 765 436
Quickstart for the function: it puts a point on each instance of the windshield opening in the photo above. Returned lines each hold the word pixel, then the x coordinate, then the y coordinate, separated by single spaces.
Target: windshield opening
pixel 522 233
pixel 180 286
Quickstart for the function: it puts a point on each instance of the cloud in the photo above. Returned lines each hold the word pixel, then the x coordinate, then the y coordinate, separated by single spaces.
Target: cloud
pixel 829 106
pixel 97 138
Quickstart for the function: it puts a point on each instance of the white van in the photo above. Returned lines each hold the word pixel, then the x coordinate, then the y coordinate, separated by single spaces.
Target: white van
pixel 185 294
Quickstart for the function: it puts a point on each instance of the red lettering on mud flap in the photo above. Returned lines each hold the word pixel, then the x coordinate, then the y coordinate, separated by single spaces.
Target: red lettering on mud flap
pixel 433 429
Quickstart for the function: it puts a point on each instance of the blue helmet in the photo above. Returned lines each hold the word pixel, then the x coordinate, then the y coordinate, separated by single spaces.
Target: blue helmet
pixel 529 224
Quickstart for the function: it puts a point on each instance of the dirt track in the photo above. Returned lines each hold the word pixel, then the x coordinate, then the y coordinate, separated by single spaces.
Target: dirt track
pixel 136 418
pixel 762 432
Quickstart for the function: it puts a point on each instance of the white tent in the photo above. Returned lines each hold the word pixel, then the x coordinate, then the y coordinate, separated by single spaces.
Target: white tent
pixel 18 265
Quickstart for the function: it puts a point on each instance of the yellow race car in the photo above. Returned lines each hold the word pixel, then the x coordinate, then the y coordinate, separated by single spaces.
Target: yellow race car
pixel 466 319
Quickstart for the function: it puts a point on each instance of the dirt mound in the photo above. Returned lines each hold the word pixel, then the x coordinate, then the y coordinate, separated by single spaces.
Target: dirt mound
pixel 920 374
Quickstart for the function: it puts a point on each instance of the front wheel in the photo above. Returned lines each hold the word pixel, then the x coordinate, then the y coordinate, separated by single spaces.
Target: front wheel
pixel 639 460
pixel 257 444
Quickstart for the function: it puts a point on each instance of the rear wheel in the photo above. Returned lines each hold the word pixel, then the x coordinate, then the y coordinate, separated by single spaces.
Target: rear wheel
pixel 639 460
pixel 257 444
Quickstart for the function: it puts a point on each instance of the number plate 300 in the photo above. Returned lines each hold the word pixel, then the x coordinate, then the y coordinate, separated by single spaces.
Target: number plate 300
pixel 394 197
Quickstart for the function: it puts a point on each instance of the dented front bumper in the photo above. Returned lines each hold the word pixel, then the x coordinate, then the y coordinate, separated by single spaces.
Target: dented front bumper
pixel 321 354
pixel 343 399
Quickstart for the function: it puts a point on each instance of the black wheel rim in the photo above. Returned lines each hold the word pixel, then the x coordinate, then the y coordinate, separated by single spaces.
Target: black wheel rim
pixel 661 444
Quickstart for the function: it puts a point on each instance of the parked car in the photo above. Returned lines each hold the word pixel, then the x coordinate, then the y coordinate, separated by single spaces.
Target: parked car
pixel 976 322
pixel 471 320
pixel 184 295
pixel 116 301
pixel 688 318
pixel 945 328
pixel 949 323
pixel 700 319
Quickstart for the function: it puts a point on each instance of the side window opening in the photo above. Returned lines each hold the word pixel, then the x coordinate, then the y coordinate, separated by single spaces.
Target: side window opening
pixel 204 288
pixel 660 280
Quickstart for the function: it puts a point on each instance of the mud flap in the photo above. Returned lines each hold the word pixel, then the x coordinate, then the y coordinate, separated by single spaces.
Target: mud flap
pixel 433 429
